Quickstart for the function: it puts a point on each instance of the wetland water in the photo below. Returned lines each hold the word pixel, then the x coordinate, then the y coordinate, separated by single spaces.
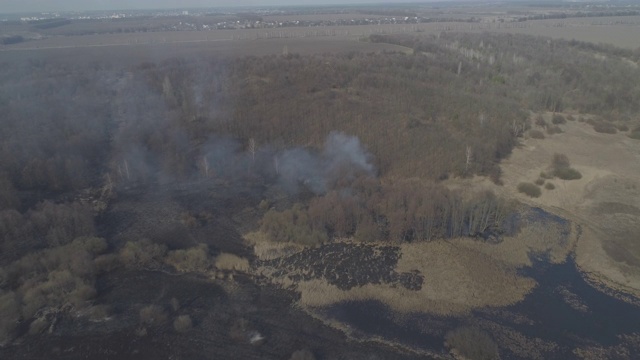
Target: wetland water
pixel 563 309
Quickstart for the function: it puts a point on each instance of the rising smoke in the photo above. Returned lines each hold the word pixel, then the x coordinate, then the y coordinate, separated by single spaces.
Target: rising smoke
pixel 341 159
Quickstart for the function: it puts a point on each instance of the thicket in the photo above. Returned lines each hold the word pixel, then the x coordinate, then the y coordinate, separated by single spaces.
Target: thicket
pixel 532 190
pixel 606 128
pixel 542 73
pixel 46 225
pixel 561 168
pixel 408 210
pixel 48 280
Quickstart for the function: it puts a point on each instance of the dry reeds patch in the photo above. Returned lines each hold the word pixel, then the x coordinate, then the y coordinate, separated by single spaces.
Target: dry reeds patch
pixel 227 261
pixel 456 281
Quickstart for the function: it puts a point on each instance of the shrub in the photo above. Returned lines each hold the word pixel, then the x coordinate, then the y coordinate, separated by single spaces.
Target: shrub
pixel 561 168
pixel 189 260
pixel 142 253
pixel 623 127
pixel 567 174
pixel 99 312
pixel 560 161
pixel 182 323
pixel 152 315
pixel 558 119
pixel 175 304
pixel 605 128
pixel 549 186
pixel 635 135
pixel 539 181
pixel 551 130
pixel 226 261
pixel 544 175
pixel 304 354
pixel 536 134
pixel 472 343
pixel 540 121
pixel 570 117
pixel 37 326
pixel 532 190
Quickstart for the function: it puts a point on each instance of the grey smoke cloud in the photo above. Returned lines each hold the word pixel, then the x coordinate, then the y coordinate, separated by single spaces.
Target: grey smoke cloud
pixel 342 158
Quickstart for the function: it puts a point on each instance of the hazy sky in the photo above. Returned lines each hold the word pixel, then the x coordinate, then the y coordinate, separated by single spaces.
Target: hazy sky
pixel 7 6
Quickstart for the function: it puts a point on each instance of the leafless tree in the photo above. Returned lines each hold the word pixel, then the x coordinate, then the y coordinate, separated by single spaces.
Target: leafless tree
pixel 252 149
pixel 469 158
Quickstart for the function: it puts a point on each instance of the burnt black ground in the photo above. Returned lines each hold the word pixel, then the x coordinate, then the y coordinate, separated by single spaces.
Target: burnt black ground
pixel 215 312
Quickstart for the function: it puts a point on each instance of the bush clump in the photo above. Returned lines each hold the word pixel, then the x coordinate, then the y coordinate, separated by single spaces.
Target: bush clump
pixel 532 190
pixel 152 315
pixel 190 260
pixel 540 121
pixel 182 323
pixel 635 134
pixel 551 130
pixel 558 119
pixel 568 174
pixel 539 181
pixel 544 175
pixel 623 128
pixel 536 134
pixel 562 169
pixel 472 343
pixel 605 128
pixel 549 186
pixel 304 354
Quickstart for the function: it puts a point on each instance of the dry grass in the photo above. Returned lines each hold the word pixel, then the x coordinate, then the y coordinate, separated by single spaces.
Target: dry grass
pixel 227 261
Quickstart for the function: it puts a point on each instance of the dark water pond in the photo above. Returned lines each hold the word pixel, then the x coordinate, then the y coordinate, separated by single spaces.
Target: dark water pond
pixel 564 309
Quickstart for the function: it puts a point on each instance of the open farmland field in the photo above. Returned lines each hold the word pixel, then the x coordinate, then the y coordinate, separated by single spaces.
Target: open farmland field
pixel 619 31
pixel 131 54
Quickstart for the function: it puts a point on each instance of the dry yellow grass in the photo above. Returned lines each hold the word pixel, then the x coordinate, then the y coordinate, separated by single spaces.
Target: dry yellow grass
pixel 227 261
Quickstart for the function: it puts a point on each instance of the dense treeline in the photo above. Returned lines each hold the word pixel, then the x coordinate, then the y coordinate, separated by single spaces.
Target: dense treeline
pixel 454 107
pixel 409 210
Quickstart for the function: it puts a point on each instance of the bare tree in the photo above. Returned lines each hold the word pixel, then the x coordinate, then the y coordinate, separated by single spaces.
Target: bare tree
pixel 252 149
pixel 469 158
pixel 482 118
pixel 205 166
pixel 517 128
